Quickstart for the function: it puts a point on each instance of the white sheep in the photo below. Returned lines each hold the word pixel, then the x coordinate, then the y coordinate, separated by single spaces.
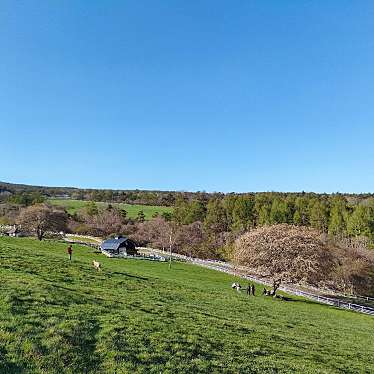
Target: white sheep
pixel 96 265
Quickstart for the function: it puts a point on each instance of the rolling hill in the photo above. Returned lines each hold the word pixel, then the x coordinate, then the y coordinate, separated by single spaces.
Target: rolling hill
pixel 139 317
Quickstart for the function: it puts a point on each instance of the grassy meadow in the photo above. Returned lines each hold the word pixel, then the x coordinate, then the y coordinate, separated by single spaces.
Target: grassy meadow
pixel 137 316
pixel 73 206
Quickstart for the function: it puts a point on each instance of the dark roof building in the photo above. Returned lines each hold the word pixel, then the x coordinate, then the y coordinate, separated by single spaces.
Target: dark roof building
pixel 119 246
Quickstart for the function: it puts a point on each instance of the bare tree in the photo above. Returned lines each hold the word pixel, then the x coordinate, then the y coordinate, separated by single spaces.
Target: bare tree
pixel 189 239
pixel 41 218
pixel 108 221
pixel 154 232
pixel 354 269
pixel 291 253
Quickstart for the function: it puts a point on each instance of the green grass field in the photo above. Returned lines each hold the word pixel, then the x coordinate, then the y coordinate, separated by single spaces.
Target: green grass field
pixel 84 239
pixel 73 206
pixel 137 316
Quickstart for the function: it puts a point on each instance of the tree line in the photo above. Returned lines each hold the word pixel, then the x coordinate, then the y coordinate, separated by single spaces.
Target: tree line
pixel 141 197
pixel 332 214
pixel 232 226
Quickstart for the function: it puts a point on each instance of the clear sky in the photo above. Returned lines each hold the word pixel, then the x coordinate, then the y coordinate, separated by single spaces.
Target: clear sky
pixel 188 95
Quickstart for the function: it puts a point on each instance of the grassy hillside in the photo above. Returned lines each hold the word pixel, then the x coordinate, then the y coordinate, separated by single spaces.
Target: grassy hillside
pixel 132 210
pixel 139 317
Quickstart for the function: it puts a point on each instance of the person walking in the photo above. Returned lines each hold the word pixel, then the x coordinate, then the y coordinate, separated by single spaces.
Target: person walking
pixel 253 289
pixel 70 251
pixel 249 289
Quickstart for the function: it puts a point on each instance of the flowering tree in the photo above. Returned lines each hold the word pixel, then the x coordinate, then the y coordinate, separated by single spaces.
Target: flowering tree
pixel 41 218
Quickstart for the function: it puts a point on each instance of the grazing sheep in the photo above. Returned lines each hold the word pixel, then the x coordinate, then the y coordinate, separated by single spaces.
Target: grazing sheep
pixel 96 265
pixel 237 286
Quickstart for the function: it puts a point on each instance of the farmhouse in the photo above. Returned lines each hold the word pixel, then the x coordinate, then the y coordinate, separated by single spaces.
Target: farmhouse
pixel 119 246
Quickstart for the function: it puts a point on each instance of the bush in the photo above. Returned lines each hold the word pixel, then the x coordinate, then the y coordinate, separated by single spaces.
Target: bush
pixel 5 221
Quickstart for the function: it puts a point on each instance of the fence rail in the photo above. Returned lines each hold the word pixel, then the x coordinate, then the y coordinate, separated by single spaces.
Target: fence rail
pixel 229 269
pixel 321 299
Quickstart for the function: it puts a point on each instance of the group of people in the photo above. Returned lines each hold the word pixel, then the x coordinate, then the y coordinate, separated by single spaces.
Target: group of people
pixel 251 289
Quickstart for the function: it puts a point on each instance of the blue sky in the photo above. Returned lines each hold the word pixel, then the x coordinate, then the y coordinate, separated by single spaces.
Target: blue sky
pixel 188 95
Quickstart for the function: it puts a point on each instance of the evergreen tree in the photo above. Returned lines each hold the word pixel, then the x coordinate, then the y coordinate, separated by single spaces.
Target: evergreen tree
pixel 229 205
pixel 278 211
pixel 262 208
pixel 215 220
pixel 290 209
pixel 155 214
pixel 243 213
pixel 359 222
pixel 194 212
pixel 297 220
pixel 338 215
pixel 371 217
pixel 141 216
pixel 123 214
pixel 91 209
pixel 263 216
pixel 167 216
pixel 319 217
pixel 302 209
pixel 180 210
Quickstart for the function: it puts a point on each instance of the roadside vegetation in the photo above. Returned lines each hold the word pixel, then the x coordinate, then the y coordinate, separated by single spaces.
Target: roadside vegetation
pixel 139 317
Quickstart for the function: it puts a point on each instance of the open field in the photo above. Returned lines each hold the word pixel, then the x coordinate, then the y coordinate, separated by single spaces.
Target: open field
pixel 73 206
pixel 140 317
pixel 83 239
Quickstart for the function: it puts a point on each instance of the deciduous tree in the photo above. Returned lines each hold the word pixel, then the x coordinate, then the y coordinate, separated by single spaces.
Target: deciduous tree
pixel 41 218
pixel 284 252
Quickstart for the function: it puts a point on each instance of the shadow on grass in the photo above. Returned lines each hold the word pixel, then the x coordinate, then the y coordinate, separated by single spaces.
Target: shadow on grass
pixel 127 275
pixel 286 299
pixel 7 366
pixel 76 339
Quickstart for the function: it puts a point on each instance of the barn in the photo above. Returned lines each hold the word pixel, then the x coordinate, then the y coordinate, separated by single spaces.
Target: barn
pixel 119 246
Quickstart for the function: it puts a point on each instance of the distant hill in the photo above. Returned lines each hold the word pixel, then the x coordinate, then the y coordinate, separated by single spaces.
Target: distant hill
pixel 145 197
pixel 141 197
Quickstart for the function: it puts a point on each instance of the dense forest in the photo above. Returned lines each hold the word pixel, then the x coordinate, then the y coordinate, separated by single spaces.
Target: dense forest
pixel 335 214
pixel 343 215
pixel 211 220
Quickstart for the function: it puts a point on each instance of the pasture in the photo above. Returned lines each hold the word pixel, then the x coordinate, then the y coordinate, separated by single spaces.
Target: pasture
pixel 73 206
pixel 58 316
